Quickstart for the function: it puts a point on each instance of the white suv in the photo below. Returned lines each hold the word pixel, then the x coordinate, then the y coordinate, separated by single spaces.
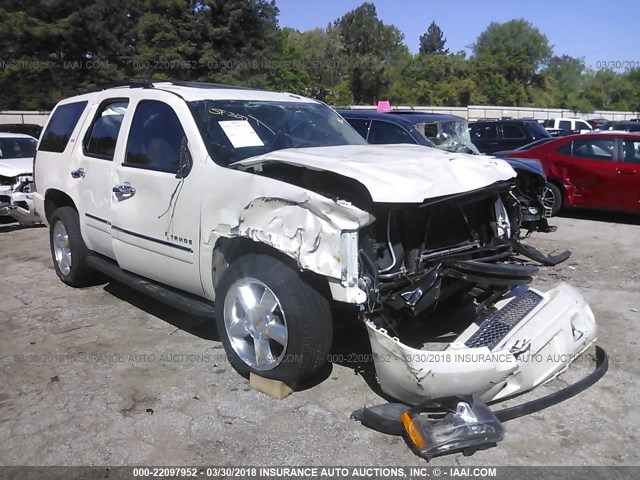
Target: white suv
pixel 567 124
pixel 260 209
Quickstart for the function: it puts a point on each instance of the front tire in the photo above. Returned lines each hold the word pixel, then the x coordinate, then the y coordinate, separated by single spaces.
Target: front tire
pixel 271 320
pixel 552 197
pixel 68 251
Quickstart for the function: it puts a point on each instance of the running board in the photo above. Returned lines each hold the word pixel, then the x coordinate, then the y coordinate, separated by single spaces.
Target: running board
pixel 164 294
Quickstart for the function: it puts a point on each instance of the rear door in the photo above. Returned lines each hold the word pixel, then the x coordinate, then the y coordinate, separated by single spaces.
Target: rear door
pixel 513 136
pixel 485 137
pixel 588 169
pixel 628 170
pixel 94 171
pixel 155 210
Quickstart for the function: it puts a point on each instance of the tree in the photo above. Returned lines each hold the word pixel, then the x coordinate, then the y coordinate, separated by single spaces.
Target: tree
pixel 508 58
pixel 433 41
pixel 370 47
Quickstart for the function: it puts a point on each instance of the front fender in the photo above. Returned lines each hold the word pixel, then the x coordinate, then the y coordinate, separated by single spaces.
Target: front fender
pixel 308 229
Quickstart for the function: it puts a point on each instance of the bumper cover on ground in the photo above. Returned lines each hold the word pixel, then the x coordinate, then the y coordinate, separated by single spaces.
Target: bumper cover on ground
pixel 518 348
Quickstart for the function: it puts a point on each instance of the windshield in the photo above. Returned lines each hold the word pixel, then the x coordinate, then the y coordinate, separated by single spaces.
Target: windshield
pixel 237 129
pixel 452 136
pixel 17 147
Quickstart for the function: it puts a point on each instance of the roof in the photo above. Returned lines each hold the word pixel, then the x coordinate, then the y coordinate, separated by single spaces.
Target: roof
pixel 619 133
pixel 15 135
pixel 409 117
pixel 193 91
pixel 510 120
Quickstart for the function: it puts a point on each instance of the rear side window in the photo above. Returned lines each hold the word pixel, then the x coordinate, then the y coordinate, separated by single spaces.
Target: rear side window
pixel 61 126
pixel 103 135
pixel 590 148
pixel 512 131
pixel 536 130
pixel 385 133
pixel 156 138
pixel 484 132
pixel 565 125
pixel 631 151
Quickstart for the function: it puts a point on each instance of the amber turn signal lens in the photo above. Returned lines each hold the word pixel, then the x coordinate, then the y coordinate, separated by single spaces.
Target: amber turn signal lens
pixel 413 431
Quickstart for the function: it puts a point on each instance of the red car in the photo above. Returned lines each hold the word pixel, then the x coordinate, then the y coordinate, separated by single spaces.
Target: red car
pixel 593 170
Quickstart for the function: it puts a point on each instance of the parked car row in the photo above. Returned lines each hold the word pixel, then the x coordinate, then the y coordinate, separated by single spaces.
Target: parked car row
pixel 597 170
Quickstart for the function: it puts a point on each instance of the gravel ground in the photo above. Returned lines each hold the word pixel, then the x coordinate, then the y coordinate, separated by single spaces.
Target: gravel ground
pixel 104 376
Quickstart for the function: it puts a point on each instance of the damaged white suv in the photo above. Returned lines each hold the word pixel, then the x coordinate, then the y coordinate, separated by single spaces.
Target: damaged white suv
pixel 266 207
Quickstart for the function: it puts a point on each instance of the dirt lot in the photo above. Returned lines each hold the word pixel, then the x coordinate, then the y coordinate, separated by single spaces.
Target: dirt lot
pixel 104 376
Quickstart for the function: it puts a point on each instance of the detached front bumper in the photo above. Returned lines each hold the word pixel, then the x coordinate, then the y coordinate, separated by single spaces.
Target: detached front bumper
pixel 531 338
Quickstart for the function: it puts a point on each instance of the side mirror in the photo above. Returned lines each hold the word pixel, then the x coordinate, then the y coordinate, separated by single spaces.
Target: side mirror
pixel 185 161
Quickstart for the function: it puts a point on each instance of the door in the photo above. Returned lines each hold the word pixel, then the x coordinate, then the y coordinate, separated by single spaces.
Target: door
pixel 155 207
pixel 513 136
pixel 94 170
pixel 485 137
pixel 588 169
pixel 628 170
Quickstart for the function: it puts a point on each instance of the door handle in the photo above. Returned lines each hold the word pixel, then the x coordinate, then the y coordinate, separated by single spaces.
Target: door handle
pixel 79 173
pixel 124 191
pixel 627 172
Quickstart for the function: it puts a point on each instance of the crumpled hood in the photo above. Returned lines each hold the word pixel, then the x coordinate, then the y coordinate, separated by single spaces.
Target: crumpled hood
pixel 396 173
pixel 12 167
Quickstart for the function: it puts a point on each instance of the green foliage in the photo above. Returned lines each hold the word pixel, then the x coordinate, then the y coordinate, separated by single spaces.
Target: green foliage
pixel 433 41
pixel 55 48
pixel 370 47
pixel 508 58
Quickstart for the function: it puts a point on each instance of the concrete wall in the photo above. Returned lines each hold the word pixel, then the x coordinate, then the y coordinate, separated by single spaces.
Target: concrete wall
pixel 472 112
pixel 16 116
pixel 477 112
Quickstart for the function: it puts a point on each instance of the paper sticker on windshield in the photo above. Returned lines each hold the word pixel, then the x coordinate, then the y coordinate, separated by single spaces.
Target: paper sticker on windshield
pixel 240 133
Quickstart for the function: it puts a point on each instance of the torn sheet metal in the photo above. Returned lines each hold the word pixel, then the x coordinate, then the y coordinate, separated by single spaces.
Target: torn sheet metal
pixel 526 345
pixel 396 173
pixel 320 234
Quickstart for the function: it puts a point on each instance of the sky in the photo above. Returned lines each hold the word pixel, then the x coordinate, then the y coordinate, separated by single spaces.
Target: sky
pixel 598 31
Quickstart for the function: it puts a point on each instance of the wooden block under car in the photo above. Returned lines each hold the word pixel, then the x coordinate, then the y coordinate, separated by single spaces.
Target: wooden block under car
pixel 274 388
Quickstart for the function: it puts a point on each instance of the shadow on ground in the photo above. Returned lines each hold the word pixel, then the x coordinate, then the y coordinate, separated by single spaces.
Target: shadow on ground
pixel 601 216
pixel 201 327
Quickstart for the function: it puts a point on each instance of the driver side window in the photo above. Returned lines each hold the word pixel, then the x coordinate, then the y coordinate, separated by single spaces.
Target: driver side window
pixel 156 138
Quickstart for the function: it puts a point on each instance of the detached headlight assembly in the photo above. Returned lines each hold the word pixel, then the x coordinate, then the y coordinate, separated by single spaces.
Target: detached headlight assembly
pixel 467 429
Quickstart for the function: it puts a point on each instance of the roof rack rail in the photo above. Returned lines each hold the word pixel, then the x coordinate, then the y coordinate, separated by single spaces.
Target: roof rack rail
pixel 192 84
pixel 130 84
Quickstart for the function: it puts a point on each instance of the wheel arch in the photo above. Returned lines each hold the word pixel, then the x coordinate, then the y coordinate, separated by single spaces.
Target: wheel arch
pixel 55 199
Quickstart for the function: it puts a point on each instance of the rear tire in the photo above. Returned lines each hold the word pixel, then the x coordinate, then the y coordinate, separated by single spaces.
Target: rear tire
pixel 68 251
pixel 271 320
pixel 552 197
